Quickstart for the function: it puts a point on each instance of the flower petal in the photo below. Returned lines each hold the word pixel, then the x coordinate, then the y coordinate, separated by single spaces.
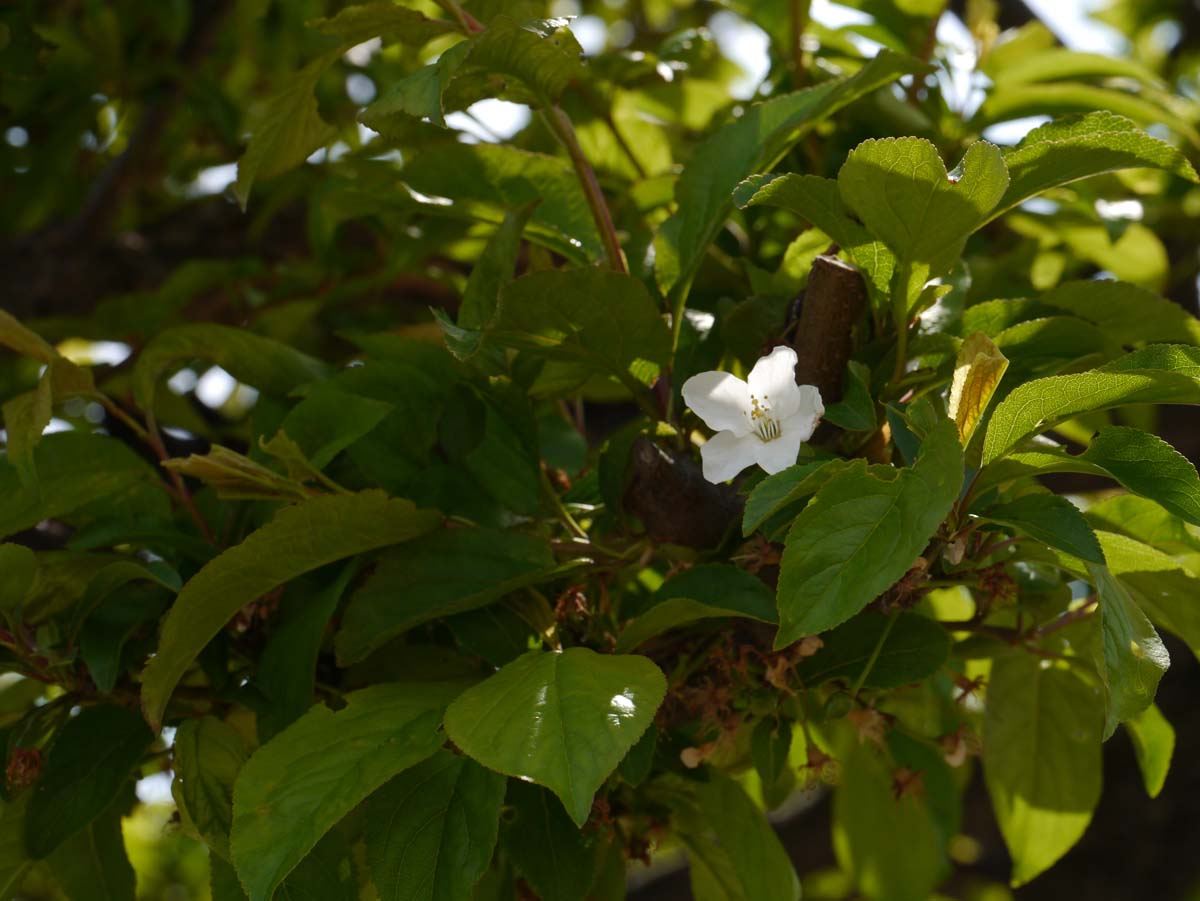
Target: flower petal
pixel 773 382
pixel 721 400
pixel 726 454
pixel 776 456
pixel 807 414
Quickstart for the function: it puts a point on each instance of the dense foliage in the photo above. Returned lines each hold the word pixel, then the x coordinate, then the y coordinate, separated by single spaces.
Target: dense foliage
pixel 363 500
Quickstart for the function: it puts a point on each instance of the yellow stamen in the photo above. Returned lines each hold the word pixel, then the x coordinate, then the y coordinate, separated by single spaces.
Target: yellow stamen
pixel 766 426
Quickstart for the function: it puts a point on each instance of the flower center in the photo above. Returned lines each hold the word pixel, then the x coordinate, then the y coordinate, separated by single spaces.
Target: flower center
pixel 766 426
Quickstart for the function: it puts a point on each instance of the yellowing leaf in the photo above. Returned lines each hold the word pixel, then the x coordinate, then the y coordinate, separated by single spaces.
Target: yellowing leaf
pixel 977 372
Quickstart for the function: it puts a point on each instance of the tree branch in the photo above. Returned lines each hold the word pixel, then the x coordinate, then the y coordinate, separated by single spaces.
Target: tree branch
pixel 833 303
pixel 560 124
pixel 674 501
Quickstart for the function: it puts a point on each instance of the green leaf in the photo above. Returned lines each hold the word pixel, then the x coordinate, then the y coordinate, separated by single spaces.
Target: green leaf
pixel 612 873
pixel 1162 587
pixel 891 847
pixel 288 665
pixel 485 181
pixel 540 58
pixel 27 343
pixel 327 873
pixel 1132 659
pixel 102 638
pixel 431 830
pixel 117 575
pixel 1153 742
pixel 706 591
pixel 563 720
pixel 855 412
pixel 993 316
pixel 916 647
pixel 757 862
pixel 504 458
pixel 76 469
pixel 328 420
pixel 1048 344
pixel 770 743
pixel 418 95
pixel 25 419
pixel 288 129
pixel 90 761
pixel 496 634
pixel 297 786
pixel 268 365
pixel 14 859
pixel 1041 759
pixel 1175 489
pixel 415 379
pixel 448 571
pixel 18 570
pixel 531 63
pixel 208 755
pixel 1059 64
pixel 382 19
pixel 491 272
pixel 1080 146
pixel 1147 465
pixel 637 764
pixel 861 533
pixel 603 319
pixel 1127 313
pixel 819 201
pixel 546 846
pixel 1148 522
pixel 92 863
pixel 1052 519
pixel 782 489
pixel 61 582
pixel 1156 374
pixel 900 190
pixel 754 142
pixel 301 538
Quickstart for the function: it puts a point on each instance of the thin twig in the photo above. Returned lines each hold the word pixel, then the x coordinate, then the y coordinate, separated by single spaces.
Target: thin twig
pixel 114 409
pixel 564 515
pixel 560 124
pixel 1082 612
pixel 799 16
pixel 467 22
pixel 154 439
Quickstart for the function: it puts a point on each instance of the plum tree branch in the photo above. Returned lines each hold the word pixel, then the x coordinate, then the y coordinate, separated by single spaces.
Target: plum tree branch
pixel 560 124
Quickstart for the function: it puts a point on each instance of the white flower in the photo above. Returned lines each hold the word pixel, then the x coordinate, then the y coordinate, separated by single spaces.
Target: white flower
pixel 763 420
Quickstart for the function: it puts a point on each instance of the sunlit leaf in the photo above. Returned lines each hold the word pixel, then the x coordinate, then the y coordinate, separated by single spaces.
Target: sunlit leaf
pixel 563 719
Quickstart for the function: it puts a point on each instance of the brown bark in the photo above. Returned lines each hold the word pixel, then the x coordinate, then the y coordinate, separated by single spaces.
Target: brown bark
pixel 833 304
pixel 674 501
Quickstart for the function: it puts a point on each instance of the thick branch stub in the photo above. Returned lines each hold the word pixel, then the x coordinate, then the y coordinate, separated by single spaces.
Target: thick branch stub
pixel 674 501
pixel 833 303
